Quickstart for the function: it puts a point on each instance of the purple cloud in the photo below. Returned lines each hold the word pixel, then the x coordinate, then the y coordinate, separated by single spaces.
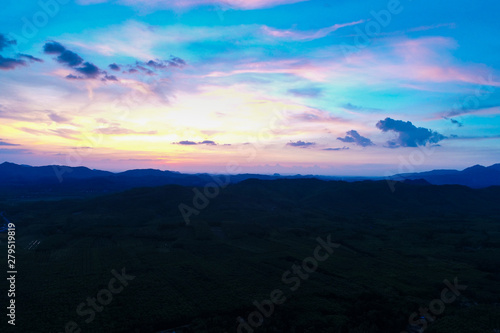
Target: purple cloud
pixel 408 134
pixel 301 144
pixel 354 137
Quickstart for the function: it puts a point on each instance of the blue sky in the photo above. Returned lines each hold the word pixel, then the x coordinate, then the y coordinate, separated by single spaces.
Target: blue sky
pixel 289 86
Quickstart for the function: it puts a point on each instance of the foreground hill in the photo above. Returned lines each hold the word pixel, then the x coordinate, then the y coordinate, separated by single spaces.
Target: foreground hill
pixel 396 249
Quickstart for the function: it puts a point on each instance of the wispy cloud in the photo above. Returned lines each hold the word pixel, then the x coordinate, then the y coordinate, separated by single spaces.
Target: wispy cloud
pixel 307 35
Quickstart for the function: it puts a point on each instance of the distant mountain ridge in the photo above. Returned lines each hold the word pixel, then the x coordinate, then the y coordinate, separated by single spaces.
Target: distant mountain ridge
pixel 476 176
pixel 53 179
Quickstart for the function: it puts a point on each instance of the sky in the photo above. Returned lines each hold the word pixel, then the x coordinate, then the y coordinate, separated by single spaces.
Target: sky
pixel 342 87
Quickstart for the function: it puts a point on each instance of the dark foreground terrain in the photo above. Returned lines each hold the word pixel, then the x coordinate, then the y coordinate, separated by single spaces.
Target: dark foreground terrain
pixel 396 251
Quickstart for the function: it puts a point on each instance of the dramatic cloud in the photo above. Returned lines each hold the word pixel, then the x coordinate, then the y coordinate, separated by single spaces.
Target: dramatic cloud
pixel 208 142
pixel 5 42
pixel 456 122
pixel 53 48
pixel 10 63
pixel 301 144
pixel 30 57
pixel 74 77
pixel 176 62
pixel 88 69
pixel 71 59
pixel 109 77
pixel 162 64
pixel 336 149
pixel 354 137
pixel 186 143
pixel 65 56
pixel 408 134
pixel 192 143
pixel 114 67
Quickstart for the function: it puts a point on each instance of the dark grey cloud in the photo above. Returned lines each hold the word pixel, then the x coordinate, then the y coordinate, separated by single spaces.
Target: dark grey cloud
pixel 89 70
pixel 162 64
pixel 70 58
pixel 336 149
pixel 186 143
pixel 10 63
pixel 456 122
pixel 354 137
pixel 408 134
pixel 5 42
pixel 30 57
pixel 301 144
pixel 109 77
pixel 192 143
pixel 176 62
pixel 53 48
pixel 207 142
pixel 151 67
pixel 74 77
pixel 73 60
pixel 114 67
pixel 306 92
pixel 159 64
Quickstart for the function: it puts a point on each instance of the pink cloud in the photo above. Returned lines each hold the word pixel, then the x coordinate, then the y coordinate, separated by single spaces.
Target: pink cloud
pixel 292 67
